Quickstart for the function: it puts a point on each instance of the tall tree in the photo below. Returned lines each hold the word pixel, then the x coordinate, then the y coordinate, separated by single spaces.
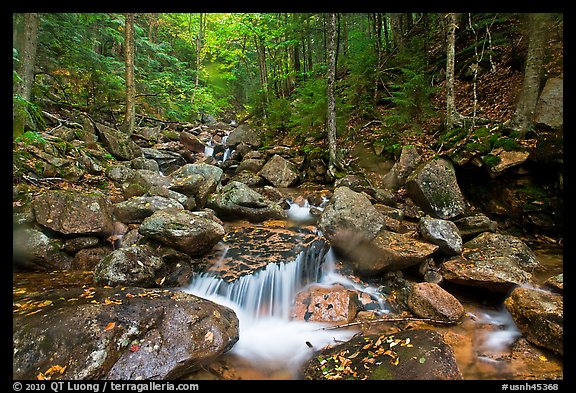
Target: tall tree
pixel 130 113
pixel 331 96
pixel 453 118
pixel 26 42
pixel 522 119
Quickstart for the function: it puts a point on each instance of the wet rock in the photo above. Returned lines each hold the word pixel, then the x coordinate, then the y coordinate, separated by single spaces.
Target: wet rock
pixel 475 224
pixel 443 233
pixel 326 304
pixel 118 143
pixel 433 187
pixel 120 333
pixel 78 243
pixel 246 250
pixel 73 213
pixel 428 300
pixel 556 283
pixel 191 142
pixel 389 251
pixel 418 354
pixel 132 266
pixel 280 172
pixel 408 161
pixel 33 250
pixel 539 316
pixel 528 362
pixel 193 233
pixel 243 134
pixel 349 214
pixel 136 209
pixel 237 200
pixel 550 107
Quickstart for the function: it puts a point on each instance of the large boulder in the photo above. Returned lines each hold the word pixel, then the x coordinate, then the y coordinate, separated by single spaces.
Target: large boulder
pixel 237 200
pixel 73 213
pixel 243 134
pixel 167 160
pixel 193 233
pixel 433 187
pixel 197 180
pixel 118 333
pixel 118 143
pixel 131 266
pixel 136 209
pixel 33 250
pixel 349 214
pixel 280 172
pixel 539 315
pixel 418 354
pixel 492 261
pixel 388 251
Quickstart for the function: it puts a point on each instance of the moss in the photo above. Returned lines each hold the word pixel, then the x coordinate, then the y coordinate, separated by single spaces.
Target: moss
pixel 507 144
pixel 533 191
pixel 491 160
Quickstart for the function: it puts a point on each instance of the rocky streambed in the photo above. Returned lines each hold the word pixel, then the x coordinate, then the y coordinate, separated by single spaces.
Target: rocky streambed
pixel 409 281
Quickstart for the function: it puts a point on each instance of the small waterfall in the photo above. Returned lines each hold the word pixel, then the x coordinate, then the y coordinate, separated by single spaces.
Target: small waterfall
pixel 263 302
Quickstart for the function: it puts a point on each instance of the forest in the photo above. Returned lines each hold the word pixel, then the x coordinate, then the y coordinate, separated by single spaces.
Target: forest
pixel 361 183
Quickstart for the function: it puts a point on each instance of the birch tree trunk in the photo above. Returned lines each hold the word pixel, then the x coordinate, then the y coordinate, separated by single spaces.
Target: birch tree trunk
pixel 331 112
pixel 453 118
pixel 130 114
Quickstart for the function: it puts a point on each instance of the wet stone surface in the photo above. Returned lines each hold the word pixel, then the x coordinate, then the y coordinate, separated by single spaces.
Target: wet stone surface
pixel 248 249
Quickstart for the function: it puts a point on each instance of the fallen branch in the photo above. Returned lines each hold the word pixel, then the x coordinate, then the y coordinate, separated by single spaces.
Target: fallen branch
pixel 386 320
pixel 370 123
pixel 155 119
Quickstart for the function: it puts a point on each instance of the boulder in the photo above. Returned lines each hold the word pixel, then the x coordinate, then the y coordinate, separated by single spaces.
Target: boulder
pixel 418 354
pixel 443 233
pixel 193 233
pixel 131 266
pixel 145 163
pixel 429 300
pixel 349 214
pixel 280 172
pixel 507 160
pixel 388 251
pixel 33 250
pixel 243 134
pixel 118 333
pixel 237 200
pixel 474 224
pixel 433 187
pixel 167 160
pixel 196 180
pixel 87 258
pixel 136 209
pixel 326 304
pixel 539 316
pixel 191 142
pixel 73 213
pixel 118 143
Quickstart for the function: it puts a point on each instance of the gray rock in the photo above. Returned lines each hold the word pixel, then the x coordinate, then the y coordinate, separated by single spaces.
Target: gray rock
pixel 136 209
pixel 119 172
pixel 408 161
pixel 190 232
pixel 33 250
pixel 118 143
pixel 473 225
pixel 243 134
pixel 132 266
pixel 237 200
pixel 443 233
pixel 433 187
pixel 73 213
pixel 196 180
pixel 145 163
pixel 549 110
pixel 167 160
pixel 280 172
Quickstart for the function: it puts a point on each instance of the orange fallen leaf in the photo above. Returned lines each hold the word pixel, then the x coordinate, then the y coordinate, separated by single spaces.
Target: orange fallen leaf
pixel 110 326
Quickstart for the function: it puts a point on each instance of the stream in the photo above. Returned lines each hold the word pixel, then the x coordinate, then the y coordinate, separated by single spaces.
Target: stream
pixel 274 346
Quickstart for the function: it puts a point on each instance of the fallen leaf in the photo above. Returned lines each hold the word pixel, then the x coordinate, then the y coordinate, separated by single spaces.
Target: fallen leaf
pixel 543 358
pixel 209 337
pixel 134 347
pixel 110 326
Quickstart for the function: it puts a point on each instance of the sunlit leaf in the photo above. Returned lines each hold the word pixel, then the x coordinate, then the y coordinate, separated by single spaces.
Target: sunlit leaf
pixel 110 326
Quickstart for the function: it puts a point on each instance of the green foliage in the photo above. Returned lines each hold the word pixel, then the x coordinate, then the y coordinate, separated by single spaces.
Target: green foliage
pixel 31 138
pixel 309 105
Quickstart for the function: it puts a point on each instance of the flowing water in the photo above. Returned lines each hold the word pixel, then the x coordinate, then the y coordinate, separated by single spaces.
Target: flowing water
pixel 274 346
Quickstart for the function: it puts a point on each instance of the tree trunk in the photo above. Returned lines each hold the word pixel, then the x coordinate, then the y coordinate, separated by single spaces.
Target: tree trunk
pixel 130 114
pixel 26 43
pixel 396 27
pixel 331 113
pixel 522 119
pixel 453 118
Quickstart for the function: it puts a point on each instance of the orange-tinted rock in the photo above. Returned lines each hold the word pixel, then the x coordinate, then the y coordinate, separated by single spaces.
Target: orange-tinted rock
pixel 326 304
